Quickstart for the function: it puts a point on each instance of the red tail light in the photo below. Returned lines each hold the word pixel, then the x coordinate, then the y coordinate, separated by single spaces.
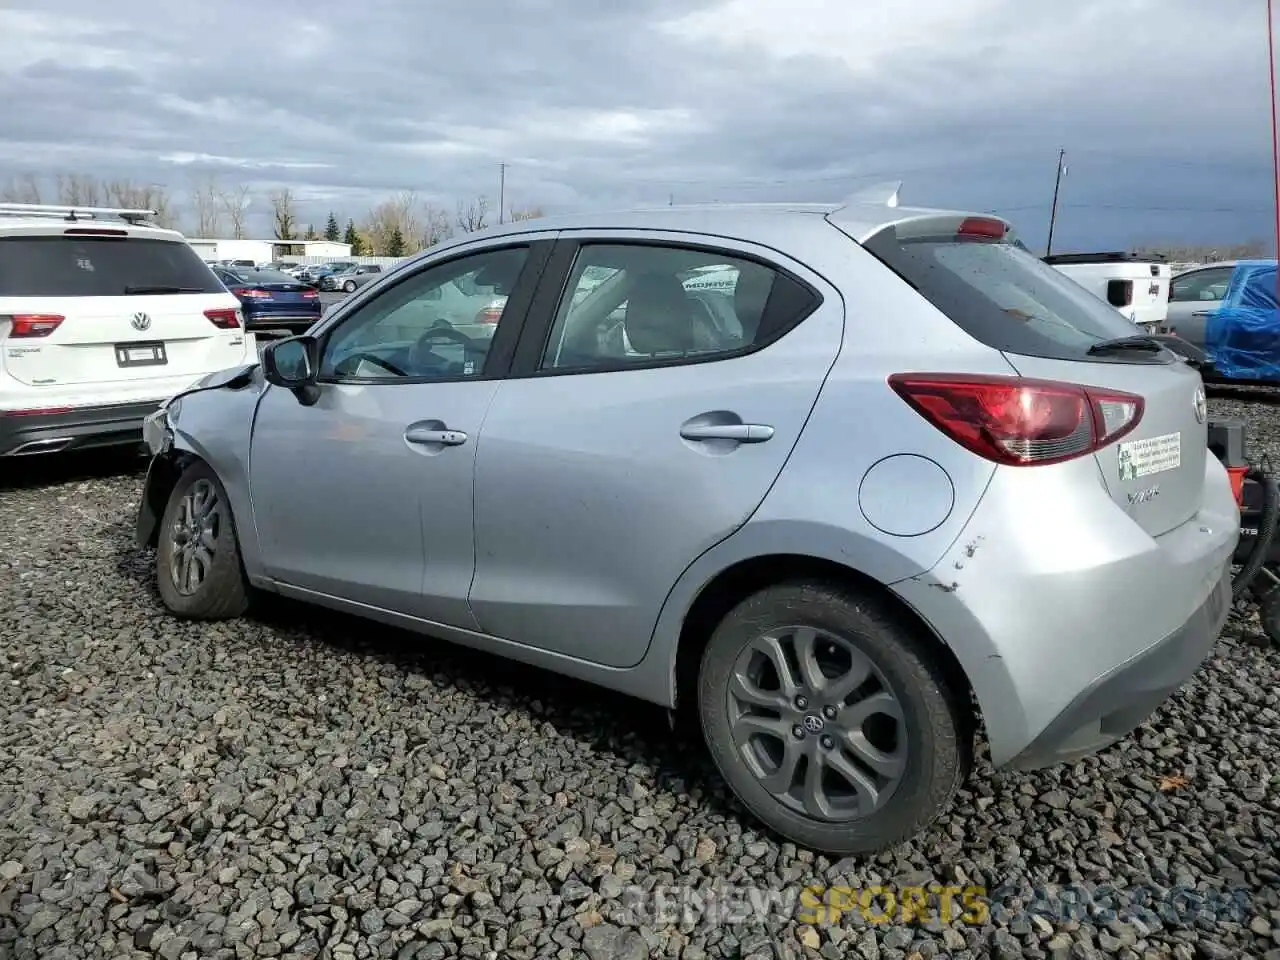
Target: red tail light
pixel 1020 422
pixel 1237 475
pixel 28 325
pixel 492 313
pixel 252 294
pixel 982 227
pixel 310 294
pixel 224 318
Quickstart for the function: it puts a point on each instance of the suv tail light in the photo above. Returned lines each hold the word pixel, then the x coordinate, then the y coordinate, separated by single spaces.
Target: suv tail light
pixel 224 318
pixel 1017 421
pixel 28 325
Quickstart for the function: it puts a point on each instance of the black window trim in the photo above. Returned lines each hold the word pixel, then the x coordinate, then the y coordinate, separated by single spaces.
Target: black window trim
pixel 540 320
pixel 502 347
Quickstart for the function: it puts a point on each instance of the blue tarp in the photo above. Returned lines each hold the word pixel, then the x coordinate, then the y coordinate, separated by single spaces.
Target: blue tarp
pixel 1242 337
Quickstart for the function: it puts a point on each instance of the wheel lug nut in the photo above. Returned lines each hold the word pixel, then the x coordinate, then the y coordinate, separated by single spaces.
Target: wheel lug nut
pixel 829 713
pixel 827 743
pixel 802 702
pixel 798 732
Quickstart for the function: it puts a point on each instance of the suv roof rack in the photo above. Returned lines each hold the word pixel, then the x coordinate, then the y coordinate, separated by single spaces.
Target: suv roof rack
pixel 74 213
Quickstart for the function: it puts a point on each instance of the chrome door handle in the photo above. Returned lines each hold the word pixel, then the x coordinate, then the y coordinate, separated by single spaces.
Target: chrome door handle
pixel 450 438
pixel 741 432
pixel 1202 313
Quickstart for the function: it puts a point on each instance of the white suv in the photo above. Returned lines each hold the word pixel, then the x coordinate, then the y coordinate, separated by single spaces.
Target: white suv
pixel 102 317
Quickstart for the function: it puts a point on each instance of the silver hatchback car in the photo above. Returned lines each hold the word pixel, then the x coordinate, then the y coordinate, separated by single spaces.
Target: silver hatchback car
pixel 921 479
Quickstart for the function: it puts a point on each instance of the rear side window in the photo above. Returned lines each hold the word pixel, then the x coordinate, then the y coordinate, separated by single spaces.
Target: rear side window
pixel 997 292
pixel 62 266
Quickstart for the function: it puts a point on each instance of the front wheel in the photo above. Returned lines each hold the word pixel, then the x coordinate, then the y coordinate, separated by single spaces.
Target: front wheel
pixel 198 570
pixel 830 720
pixel 349 286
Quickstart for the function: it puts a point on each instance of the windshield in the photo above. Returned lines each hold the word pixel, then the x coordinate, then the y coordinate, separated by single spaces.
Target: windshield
pixel 62 266
pixel 1000 294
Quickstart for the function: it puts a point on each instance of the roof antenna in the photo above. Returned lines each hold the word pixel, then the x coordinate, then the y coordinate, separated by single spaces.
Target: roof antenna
pixel 880 194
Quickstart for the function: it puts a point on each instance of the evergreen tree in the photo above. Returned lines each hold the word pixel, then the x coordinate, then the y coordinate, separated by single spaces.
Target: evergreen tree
pixel 331 228
pixel 395 246
pixel 352 236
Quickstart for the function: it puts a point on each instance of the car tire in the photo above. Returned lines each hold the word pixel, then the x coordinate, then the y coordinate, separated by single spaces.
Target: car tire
pixel 349 286
pixel 200 580
pixel 924 761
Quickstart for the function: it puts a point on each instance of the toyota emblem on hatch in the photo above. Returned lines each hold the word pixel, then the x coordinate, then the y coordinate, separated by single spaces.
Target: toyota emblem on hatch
pixel 140 321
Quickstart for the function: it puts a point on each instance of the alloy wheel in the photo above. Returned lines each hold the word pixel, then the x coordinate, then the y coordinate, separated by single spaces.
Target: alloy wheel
pixel 194 537
pixel 817 724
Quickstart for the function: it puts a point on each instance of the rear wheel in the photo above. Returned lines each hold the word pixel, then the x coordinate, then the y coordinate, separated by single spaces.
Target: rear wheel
pixel 830 720
pixel 198 570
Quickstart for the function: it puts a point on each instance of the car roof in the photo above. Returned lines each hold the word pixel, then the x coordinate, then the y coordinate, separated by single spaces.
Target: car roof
pixel 44 226
pixel 1209 266
pixel 860 217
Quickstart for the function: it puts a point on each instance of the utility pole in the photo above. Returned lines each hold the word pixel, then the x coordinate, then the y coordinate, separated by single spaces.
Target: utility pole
pixel 1057 184
pixel 502 190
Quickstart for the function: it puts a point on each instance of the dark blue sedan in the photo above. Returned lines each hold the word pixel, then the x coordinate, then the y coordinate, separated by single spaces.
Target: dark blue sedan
pixel 271 300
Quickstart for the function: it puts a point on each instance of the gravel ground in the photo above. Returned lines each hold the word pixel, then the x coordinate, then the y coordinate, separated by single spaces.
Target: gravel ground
pixel 306 785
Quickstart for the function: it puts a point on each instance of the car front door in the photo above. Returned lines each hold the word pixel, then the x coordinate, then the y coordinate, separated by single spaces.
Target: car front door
pixel 1192 297
pixel 366 494
pixel 635 433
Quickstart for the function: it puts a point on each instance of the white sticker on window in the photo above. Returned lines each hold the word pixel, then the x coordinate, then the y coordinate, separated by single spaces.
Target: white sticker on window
pixel 1141 458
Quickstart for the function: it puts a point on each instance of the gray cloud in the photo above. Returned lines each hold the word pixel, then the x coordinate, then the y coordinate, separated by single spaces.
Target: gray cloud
pixel 1161 104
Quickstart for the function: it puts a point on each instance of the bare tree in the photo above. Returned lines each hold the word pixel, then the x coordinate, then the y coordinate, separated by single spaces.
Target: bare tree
pixel 284 212
pixel 235 202
pixel 436 226
pixel 78 190
pixel 24 188
pixel 398 213
pixel 471 214
pixel 525 213
pixel 1206 253
pixel 141 196
pixel 206 201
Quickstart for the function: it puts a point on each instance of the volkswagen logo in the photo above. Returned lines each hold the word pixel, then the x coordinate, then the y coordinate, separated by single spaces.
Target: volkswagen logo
pixel 813 723
pixel 140 321
pixel 1200 405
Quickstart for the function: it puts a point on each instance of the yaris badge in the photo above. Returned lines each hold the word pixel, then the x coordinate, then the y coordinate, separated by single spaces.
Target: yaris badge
pixel 140 321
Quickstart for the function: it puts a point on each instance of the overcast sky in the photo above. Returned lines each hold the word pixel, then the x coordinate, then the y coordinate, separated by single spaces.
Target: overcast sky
pixel 1162 105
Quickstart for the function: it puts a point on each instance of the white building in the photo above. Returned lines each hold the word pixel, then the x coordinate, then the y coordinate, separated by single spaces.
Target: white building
pixel 265 251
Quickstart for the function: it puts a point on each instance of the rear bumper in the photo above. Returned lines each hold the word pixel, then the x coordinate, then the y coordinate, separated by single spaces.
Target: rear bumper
pixel 1113 706
pixel 290 320
pixel 1073 624
pixel 81 428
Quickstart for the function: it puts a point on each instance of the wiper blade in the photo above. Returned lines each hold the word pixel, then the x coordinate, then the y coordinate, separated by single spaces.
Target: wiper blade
pixel 161 288
pixel 1138 342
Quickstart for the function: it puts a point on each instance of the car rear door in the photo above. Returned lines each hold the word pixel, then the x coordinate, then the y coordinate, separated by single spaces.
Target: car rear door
pixel 616 454
pixel 115 307
pixel 1192 298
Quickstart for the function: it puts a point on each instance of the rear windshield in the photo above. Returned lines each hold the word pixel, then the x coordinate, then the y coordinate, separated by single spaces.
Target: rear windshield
pixel 999 293
pixel 99 267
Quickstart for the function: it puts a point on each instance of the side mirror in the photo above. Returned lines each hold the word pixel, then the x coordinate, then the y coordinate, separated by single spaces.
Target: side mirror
pixel 292 364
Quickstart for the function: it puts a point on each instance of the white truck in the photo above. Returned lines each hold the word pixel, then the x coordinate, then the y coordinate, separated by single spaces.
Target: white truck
pixel 1136 285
